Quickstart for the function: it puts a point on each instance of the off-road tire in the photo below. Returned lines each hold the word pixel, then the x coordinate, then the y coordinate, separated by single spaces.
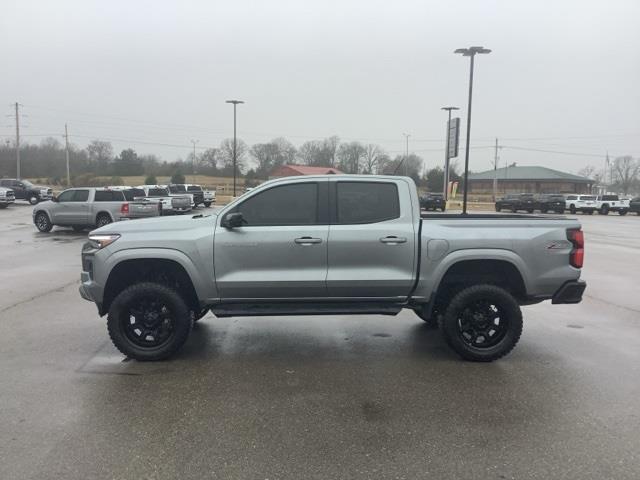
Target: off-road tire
pixel 207 204
pixel 604 210
pixel 510 315
pixel 180 314
pixel 572 209
pixel 42 222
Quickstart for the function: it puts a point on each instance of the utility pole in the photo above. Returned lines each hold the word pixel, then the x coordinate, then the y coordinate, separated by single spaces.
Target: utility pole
pixel 195 163
pixel 470 52
pixel 445 176
pixel 235 142
pixel 406 158
pixel 66 151
pixel 17 141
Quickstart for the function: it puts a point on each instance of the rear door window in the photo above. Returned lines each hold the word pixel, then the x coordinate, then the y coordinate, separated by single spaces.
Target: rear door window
pixel 366 202
pixel 108 196
pixel 81 196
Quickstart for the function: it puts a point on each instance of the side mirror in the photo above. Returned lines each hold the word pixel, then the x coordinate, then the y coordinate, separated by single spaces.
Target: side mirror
pixel 232 220
pixel 54 198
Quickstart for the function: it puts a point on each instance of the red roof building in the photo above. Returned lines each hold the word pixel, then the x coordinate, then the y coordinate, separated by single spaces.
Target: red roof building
pixel 294 170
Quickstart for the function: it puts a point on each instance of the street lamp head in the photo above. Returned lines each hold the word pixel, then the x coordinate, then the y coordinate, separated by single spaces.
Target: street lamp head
pixel 448 109
pixel 235 102
pixel 471 51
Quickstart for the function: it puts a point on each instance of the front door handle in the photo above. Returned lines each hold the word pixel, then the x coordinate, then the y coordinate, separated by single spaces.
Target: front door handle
pixel 393 240
pixel 307 240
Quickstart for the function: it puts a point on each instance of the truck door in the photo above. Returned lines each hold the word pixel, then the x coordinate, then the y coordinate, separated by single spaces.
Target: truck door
pixel 61 210
pixel 281 250
pixel 372 250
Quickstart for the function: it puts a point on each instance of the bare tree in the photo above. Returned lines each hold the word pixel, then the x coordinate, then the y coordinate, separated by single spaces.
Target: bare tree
pixel 350 156
pixel 626 171
pixel 101 154
pixel 371 160
pixel 226 155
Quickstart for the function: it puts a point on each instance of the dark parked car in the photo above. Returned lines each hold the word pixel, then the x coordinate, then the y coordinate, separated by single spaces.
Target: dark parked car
pixel 25 190
pixel 551 202
pixel 634 205
pixel 433 201
pixel 516 201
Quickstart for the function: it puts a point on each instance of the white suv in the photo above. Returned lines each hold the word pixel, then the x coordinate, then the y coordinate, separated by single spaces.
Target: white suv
pixel 581 203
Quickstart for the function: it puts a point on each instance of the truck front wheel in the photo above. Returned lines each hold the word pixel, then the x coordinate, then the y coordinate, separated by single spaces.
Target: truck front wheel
pixel 482 323
pixel 149 321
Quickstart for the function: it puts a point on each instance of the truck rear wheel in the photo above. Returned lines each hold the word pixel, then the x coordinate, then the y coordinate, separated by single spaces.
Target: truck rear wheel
pixel 482 323
pixel 149 321
pixel 102 220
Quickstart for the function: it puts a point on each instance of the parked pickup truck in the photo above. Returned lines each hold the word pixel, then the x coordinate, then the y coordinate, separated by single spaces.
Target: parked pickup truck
pixel 7 197
pixel 548 202
pixel 330 245
pixel 515 202
pixel 25 190
pixel 611 203
pixel 170 203
pixel 179 189
pixel 80 208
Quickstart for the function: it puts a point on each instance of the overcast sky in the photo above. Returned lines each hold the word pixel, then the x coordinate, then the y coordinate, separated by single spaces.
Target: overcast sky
pixel 564 75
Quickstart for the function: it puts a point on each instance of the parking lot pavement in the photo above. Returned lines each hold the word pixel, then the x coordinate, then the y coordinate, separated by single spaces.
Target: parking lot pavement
pixel 316 397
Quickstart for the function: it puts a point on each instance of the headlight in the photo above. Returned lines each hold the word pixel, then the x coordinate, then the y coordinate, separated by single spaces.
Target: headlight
pixel 101 241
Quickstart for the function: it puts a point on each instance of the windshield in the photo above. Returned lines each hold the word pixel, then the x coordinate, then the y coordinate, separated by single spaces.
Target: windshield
pixel 194 188
pixel 133 193
pixel 27 183
pixel 177 189
pixel 158 192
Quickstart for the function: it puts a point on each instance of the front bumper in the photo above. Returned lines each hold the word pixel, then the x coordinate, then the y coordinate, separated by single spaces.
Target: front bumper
pixel 570 292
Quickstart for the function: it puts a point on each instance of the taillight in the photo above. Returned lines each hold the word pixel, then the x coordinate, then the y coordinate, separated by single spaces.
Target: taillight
pixel 576 237
pixel 124 209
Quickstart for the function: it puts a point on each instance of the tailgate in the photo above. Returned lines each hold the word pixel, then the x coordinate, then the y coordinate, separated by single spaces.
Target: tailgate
pixel 143 209
pixel 181 202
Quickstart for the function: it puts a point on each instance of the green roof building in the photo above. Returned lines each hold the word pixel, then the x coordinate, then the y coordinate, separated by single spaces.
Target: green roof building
pixel 528 180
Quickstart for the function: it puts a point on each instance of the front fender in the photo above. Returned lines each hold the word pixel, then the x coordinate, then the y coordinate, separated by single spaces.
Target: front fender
pixel 203 285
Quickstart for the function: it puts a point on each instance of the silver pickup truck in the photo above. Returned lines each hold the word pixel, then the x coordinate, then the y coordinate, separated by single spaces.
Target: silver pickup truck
pixel 331 245
pixel 80 208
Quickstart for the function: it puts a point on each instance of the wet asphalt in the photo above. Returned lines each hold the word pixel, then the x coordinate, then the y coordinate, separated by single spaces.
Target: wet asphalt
pixel 316 397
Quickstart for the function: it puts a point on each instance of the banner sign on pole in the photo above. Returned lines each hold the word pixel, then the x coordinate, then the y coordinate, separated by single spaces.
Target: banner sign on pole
pixel 454 137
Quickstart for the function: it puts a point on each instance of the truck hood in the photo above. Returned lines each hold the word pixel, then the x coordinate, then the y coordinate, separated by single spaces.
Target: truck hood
pixel 158 224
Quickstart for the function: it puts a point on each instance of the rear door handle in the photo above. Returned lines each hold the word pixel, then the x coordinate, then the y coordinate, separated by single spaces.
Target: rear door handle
pixel 393 240
pixel 307 240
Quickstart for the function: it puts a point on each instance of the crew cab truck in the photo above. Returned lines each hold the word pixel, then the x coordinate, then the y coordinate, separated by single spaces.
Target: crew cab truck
pixel 611 203
pixel 80 208
pixel 516 202
pixel 25 190
pixel 330 245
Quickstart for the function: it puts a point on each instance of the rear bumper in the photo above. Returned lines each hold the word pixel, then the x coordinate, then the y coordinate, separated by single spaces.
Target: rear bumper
pixel 570 292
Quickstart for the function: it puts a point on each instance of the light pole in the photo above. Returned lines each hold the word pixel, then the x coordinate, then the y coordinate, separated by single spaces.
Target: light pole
pixel 470 52
pixel 194 163
pixel 235 142
pixel 445 178
pixel 406 158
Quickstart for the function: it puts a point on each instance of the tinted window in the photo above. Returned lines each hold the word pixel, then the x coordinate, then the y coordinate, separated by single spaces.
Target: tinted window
pixel 610 197
pixel 572 197
pixel 158 192
pixel 295 204
pixel 66 196
pixel 366 202
pixel 194 188
pixel 587 197
pixel 133 193
pixel 177 189
pixel 81 196
pixel 108 196
pixel 5 183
